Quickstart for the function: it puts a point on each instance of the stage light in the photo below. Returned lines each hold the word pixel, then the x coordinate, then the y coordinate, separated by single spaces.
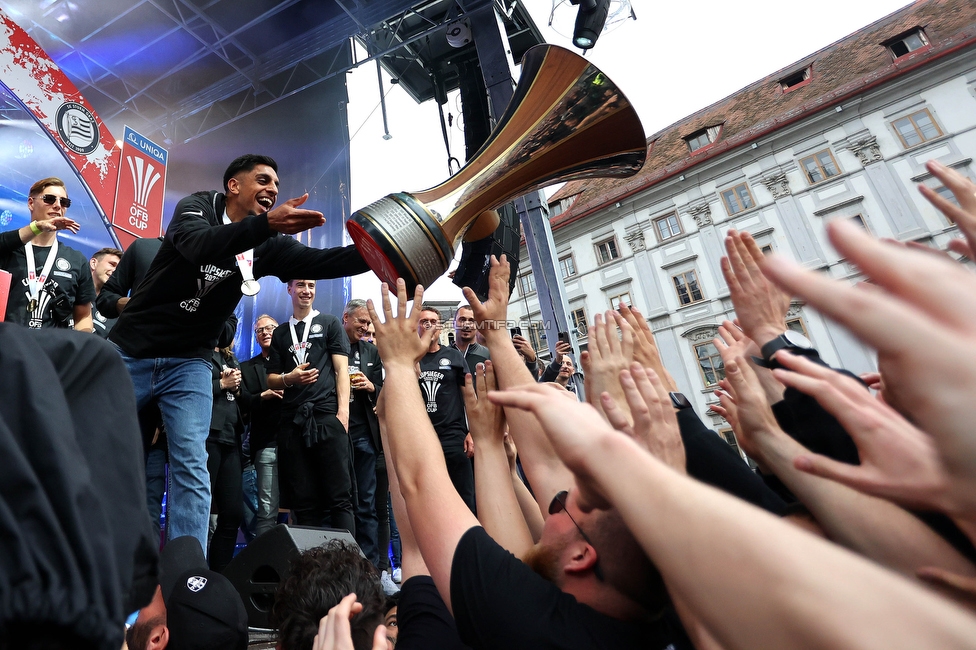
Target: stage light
pixel 590 19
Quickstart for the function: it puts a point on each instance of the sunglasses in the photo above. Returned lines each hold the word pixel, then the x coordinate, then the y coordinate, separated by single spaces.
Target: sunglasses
pixel 558 504
pixel 50 199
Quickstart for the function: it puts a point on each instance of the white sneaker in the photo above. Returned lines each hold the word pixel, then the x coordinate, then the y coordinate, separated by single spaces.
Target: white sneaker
pixel 389 587
pixel 397 575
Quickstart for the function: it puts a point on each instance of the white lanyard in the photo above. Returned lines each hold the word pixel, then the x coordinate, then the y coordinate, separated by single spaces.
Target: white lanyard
pixel 245 262
pixel 301 348
pixel 36 282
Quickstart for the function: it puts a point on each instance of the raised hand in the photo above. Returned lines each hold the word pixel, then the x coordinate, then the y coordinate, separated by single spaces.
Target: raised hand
pixel 607 357
pixel 289 219
pixel 58 223
pixel 898 461
pixel 573 444
pixel 396 334
pixel 964 214
pixel 335 632
pixel 302 375
pixel 655 425
pixel 924 333
pixel 645 347
pixel 486 420
pixel 491 314
pixel 760 306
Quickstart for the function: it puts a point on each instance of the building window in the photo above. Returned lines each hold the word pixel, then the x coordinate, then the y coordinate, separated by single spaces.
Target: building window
pixel 729 436
pixel 795 79
pixel 537 338
pixel 946 193
pixel 667 227
pixel 578 318
pixel 527 283
pixel 686 284
pixel 916 128
pixel 767 249
pixel 606 251
pixel 905 43
pixel 796 324
pixel 819 167
pixel 701 139
pixel 737 199
pixel 568 266
pixel 621 298
pixel 710 363
pixel 858 220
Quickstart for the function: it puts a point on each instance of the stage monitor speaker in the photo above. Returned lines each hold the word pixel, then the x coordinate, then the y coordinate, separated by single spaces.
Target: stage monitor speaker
pixel 266 561
pixel 472 269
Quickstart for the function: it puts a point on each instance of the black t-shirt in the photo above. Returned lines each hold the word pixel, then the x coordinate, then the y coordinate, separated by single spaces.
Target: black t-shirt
pixel 68 284
pixel 325 338
pixel 499 602
pixel 128 275
pixel 441 377
pixel 102 325
pixel 193 283
pixel 423 619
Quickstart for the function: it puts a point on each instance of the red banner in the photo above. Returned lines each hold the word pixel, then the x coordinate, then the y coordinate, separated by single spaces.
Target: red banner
pixel 57 105
pixel 142 179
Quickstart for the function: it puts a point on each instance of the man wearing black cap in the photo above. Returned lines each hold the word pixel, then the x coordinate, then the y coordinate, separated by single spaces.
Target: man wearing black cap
pixel 194 607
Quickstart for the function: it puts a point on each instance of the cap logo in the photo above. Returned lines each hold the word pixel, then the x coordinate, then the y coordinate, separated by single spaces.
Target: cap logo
pixel 196 583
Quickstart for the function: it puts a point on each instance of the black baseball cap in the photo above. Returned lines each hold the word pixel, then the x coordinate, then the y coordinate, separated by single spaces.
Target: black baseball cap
pixel 203 609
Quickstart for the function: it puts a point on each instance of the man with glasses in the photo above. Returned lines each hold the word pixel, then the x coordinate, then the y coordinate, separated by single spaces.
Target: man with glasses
pixel 51 284
pixel 263 409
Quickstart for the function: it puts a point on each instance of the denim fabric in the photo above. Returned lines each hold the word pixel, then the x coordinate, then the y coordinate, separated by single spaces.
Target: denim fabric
pixel 367 524
pixel 184 392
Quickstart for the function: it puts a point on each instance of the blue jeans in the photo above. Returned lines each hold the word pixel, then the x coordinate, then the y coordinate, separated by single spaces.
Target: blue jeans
pixel 367 524
pixel 266 465
pixel 183 388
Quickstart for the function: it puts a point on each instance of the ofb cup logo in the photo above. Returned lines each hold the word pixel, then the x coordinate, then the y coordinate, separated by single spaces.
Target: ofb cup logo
pixel 144 178
pixel 77 128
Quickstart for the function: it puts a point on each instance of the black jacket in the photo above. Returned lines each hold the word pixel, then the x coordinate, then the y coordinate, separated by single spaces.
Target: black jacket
pixel 261 415
pixel 372 367
pixel 193 283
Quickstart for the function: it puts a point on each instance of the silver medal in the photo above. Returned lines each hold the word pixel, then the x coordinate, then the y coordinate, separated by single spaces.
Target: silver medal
pixel 250 287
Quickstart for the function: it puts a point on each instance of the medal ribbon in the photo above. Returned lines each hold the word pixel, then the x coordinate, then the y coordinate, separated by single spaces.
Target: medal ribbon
pixel 301 348
pixel 36 282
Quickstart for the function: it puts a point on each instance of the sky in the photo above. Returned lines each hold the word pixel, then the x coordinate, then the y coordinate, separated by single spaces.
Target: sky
pixel 673 60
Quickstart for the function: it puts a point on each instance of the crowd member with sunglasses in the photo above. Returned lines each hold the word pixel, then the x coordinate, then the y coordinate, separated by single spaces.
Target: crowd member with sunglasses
pixel 51 284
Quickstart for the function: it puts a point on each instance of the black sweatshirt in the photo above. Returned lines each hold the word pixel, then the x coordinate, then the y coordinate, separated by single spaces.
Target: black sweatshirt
pixel 193 284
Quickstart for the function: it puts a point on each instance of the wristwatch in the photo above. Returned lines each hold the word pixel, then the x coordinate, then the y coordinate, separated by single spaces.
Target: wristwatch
pixel 679 401
pixel 790 340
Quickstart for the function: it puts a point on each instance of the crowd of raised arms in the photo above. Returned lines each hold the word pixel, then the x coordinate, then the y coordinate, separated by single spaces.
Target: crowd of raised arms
pixel 526 516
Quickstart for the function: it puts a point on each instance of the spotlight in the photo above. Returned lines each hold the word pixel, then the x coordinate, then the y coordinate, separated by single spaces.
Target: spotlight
pixel 590 19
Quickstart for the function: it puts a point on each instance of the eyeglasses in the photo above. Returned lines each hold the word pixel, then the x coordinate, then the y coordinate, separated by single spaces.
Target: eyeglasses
pixel 559 503
pixel 267 328
pixel 50 199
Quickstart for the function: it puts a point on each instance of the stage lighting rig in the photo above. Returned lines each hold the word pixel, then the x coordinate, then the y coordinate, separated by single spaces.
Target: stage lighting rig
pixel 590 19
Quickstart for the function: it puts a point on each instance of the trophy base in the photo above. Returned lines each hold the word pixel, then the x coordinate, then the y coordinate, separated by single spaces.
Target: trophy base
pixel 398 238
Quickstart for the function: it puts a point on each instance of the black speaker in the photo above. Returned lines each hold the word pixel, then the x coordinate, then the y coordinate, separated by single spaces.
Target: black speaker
pixel 472 270
pixel 266 561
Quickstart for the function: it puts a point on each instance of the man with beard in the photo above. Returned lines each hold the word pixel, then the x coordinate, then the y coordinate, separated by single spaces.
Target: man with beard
pixel 601 593
pixel 215 248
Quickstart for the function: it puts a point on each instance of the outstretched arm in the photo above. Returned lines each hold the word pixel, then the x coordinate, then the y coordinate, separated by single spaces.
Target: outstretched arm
pixel 546 473
pixel 438 514
pixel 788 589
pixel 873 527
pixel 498 505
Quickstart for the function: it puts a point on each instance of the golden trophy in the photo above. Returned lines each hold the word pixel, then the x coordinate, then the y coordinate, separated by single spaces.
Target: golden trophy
pixel 566 121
